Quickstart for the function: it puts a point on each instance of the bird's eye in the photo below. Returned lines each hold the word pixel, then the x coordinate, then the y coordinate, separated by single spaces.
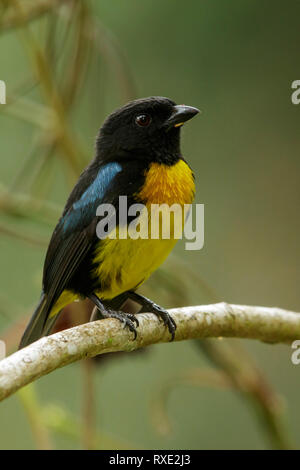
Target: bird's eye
pixel 143 120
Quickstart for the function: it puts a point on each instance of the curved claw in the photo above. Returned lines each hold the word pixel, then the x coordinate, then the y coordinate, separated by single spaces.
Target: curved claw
pixel 133 318
pixel 130 325
pixel 149 306
pixel 126 320
pixel 167 319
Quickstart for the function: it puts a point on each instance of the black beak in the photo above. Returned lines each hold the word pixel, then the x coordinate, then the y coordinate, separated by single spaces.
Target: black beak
pixel 180 115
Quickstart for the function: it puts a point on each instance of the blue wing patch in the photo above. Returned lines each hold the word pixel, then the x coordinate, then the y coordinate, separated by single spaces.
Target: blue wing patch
pixel 83 210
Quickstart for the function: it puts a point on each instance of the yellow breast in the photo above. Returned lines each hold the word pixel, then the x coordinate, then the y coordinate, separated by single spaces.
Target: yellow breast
pixel 168 184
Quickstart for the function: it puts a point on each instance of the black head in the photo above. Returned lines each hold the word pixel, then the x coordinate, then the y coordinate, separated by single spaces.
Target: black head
pixel 147 128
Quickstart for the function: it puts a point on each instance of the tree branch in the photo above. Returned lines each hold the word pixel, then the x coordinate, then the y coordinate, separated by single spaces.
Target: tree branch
pixel 272 325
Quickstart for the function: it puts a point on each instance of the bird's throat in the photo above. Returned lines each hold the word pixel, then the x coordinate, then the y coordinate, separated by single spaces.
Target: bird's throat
pixel 168 184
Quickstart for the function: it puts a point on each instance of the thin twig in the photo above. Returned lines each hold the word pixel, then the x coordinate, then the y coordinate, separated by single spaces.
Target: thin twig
pixel 88 411
pixel 34 10
pixel 33 410
pixel 252 384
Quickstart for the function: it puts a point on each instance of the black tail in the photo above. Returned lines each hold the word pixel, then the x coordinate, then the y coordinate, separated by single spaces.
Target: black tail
pixel 40 324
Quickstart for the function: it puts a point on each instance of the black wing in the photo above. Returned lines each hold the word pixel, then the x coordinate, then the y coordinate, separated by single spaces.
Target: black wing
pixel 75 233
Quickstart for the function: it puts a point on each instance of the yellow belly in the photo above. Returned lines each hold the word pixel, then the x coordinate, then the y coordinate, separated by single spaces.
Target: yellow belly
pixel 125 264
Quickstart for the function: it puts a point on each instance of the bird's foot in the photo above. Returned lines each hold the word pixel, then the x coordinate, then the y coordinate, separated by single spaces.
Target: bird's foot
pixel 128 320
pixel 149 306
pixel 165 317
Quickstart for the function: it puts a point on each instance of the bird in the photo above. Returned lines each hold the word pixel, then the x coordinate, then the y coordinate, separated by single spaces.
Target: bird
pixel 137 155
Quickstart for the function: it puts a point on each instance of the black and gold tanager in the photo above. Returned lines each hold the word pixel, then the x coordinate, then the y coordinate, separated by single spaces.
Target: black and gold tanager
pixel 137 155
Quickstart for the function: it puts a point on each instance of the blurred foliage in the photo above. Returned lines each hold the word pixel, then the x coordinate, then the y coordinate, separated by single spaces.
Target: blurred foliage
pixel 65 67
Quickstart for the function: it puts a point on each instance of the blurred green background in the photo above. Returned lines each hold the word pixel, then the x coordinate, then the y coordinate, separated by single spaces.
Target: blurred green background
pixel 235 61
